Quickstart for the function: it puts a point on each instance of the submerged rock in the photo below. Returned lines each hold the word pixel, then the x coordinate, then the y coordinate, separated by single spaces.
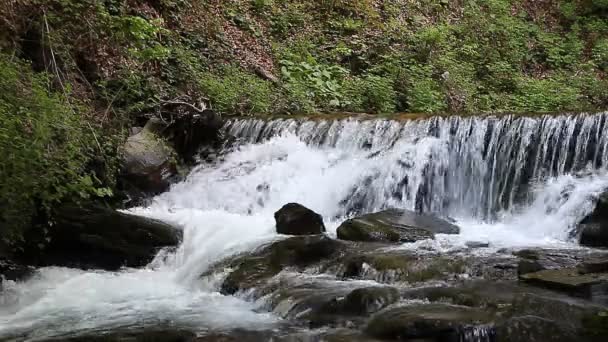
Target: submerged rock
pixel 296 219
pixel 433 322
pixel 394 225
pixel 298 252
pixel 98 237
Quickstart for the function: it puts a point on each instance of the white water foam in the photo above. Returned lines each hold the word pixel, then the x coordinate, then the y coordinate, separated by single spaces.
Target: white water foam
pixel 228 208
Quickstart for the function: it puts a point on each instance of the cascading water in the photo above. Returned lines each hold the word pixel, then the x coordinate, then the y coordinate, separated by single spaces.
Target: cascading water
pixel 511 181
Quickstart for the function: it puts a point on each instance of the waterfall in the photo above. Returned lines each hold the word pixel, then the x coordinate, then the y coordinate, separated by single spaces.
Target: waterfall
pixel 462 166
pixel 510 181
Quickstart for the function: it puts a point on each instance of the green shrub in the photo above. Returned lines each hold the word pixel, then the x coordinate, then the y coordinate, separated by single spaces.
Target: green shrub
pixel 545 95
pixel 234 91
pixel 600 54
pixel 370 93
pixel 45 146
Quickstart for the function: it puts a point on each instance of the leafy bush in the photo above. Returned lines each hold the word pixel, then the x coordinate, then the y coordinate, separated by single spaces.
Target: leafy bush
pixel 370 93
pixel 546 95
pixel 323 82
pixel 45 146
pixel 600 54
pixel 234 91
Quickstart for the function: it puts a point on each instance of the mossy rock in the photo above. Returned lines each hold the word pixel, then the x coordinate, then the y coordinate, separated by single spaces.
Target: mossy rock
pixel 395 226
pixel 297 252
pixel 593 286
pixel 402 267
pixel 437 322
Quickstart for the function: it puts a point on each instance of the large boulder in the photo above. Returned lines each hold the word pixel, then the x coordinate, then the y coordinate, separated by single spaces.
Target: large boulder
pixel 97 237
pixel 394 225
pixel 296 219
pixel 593 229
pixel 298 252
pixel 148 161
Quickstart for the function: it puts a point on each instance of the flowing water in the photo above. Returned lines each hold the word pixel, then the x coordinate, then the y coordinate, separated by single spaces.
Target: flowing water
pixel 509 181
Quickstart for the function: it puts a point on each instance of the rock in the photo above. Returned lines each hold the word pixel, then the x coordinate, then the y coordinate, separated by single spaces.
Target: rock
pixel 393 225
pixel 10 270
pixel 594 234
pixel 597 264
pixel 534 260
pixel 533 329
pixel 97 237
pixel 571 314
pixel 295 219
pixel 435 322
pixel 477 244
pixel 299 252
pixel 368 300
pixel 390 267
pixel 152 335
pixel 478 293
pixel 194 132
pixel 593 229
pixel 593 286
pixel 148 161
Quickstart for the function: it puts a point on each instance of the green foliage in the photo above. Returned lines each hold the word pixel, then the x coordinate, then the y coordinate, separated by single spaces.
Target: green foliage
pixel 370 93
pixel 323 82
pixel 45 144
pixel 234 91
pixel 600 54
pixel 546 95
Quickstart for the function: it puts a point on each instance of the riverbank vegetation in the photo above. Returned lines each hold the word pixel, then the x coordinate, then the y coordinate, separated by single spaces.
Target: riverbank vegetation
pixel 76 74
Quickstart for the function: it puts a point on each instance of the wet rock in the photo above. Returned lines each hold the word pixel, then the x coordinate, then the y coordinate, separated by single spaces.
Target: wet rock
pixel 534 329
pixel 194 132
pixel 494 295
pixel 435 322
pixel 570 313
pixel 593 229
pixel 97 237
pixel 594 234
pixel 297 252
pixel 593 286
pixel 477 244
pixel 148 161
pixel 391 267
pixel 10 270
pixel 368 300
pixel 534 260
pixel 152 335
pixel 395 226
pixel 596 264
pixel 295 219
